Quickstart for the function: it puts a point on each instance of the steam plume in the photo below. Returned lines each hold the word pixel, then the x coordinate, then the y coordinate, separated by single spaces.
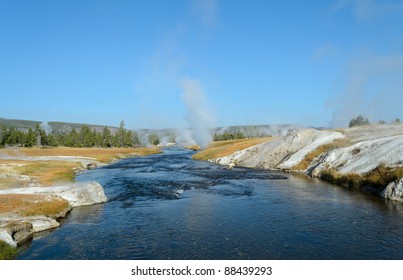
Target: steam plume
pixel 46 127
pixel 373 88
pixel 198 116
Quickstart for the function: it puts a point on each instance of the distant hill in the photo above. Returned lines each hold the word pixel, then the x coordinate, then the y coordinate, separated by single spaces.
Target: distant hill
pixel 19 124
pixel 251 131
pixel 54 126
pixel 169 134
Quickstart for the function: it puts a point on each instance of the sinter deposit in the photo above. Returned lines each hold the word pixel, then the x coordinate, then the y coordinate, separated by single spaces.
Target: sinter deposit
pixel 364 148
pixel 14 228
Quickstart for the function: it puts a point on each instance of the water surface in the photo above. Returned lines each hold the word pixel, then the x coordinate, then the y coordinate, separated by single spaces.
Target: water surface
pixel 170 207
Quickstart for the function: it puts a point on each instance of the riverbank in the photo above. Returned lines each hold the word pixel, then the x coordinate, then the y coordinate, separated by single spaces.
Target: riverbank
pixel 37 187
pixel 368 157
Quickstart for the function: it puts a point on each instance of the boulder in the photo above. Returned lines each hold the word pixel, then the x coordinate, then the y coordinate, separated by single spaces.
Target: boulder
pixel 81 194
pixel 91 165
pixel 6 237
pixel 16 229
pixel 394 191
pixel 78 194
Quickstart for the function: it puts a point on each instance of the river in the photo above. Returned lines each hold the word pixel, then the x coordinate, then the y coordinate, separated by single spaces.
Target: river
pixel 169 206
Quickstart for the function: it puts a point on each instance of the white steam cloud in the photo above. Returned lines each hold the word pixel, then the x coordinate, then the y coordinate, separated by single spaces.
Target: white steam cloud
pixel 207 11
pixel 369 9
pixel 46 127
pixel 199 117
pixel 373 87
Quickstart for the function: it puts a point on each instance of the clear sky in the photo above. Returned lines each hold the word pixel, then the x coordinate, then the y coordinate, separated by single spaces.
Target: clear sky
pixel 256 62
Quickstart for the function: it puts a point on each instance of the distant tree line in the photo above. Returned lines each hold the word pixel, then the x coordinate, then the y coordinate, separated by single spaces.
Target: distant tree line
pixel 360 120
pixel 228 136
pixel 84 137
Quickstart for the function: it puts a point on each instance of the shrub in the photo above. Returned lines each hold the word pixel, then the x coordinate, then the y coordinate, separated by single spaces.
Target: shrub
pixel 382 175
pixel 330 175
pixel 378 178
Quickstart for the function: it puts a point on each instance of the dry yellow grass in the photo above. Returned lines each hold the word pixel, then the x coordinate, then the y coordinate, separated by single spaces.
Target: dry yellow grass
pixel 105 155
pixel 49 172
pixel 225 148
pixel 310 157
pixel 10 182
pixel 43 172
pixel 33 204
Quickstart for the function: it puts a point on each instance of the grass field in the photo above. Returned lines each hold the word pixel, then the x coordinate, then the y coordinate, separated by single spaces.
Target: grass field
pixel 100 154
pixel 49 172
pixel 225 148
pixel 7 252
pixel 32 204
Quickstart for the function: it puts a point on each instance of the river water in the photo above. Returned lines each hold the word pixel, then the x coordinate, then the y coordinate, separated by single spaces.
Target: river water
pixel 169 206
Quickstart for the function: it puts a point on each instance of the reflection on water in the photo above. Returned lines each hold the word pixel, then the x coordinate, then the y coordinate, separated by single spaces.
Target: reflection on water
pixel 171 207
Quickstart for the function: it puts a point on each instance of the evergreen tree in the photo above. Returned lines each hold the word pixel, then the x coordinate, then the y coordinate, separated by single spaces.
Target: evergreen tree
pixel 97 138
pixel 120 135
pixel 153 139
pixel 86 136
pixel 73 139
pixel 128 136
pixel 38 135
pixel 360 120
pixel 3 136
pixel 21 136
pixel 136 140
pixel 44 138
pixel 106 138
pixel 52 140
pixel 30 139
pixel 12 137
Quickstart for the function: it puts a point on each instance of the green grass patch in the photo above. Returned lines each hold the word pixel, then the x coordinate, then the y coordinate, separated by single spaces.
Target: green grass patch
pixel 7 252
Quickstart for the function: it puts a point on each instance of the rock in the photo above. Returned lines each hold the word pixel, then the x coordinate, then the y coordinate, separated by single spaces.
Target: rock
pixel 7 238
pixel 91 165
pixel 19 231
pixel 81 194
pixel 16 229
pixel 282 153
pixel 229 166
pixel 41 223
pixel 394 191
pixel 78 194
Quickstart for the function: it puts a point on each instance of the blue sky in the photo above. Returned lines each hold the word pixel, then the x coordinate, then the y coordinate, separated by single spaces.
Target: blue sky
pixel 257 62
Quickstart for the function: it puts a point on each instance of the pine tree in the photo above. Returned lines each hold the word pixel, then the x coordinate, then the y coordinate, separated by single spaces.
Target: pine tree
pixel 44 138
pixel 73 139
pixel 106 138
pixel 30 139
pixel 120 139
pixel 86 136
pixel 3 136
pixel 128 136
pixel 360 120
